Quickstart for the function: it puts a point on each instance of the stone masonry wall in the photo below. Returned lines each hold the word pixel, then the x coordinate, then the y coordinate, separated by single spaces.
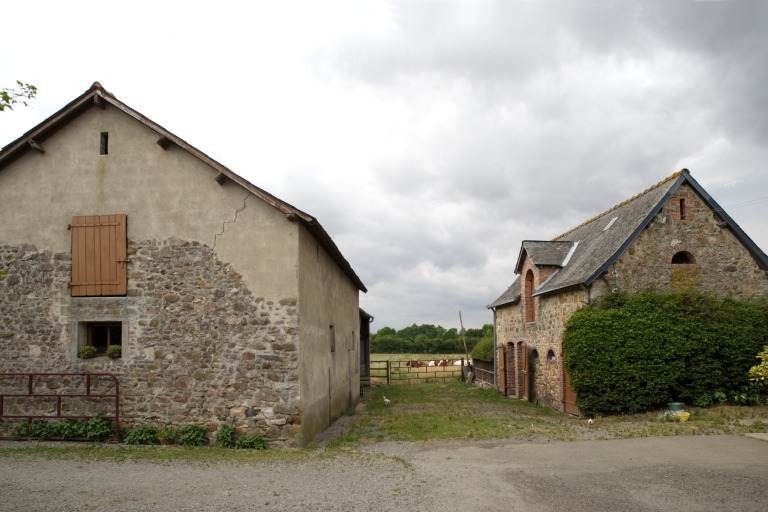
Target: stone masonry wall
pixel 547 335
pixel 543 335
pixel 198 345
pixel 721 263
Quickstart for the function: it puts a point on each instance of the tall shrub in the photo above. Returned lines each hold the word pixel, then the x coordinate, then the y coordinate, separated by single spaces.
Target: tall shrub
pixel 633 353
pixel 483 350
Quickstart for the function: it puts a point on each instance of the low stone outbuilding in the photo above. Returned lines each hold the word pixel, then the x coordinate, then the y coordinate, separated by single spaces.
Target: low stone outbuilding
pixel 673 236
pixel 230 305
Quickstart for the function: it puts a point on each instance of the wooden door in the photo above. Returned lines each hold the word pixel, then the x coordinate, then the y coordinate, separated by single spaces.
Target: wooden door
pixel 523 368
pixel 569 395
pixel 510 375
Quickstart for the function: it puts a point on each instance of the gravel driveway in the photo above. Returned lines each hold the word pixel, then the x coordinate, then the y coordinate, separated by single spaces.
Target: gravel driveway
pixel 665 473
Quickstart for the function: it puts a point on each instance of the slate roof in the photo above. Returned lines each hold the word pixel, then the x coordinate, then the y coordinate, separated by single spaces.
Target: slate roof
pixel 599 242
pixel 547 254
pixel 96 97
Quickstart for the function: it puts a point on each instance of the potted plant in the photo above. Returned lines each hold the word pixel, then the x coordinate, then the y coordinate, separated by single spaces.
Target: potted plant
pixel 87 352
pixel 166 435
pixel 114 351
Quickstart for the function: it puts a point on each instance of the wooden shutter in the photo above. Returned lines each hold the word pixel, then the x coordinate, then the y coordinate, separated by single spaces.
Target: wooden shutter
pixel 99 256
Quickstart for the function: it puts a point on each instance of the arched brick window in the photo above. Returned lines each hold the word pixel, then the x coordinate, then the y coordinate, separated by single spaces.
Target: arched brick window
pixel 683 258
pixel 528 305
pixel 551 355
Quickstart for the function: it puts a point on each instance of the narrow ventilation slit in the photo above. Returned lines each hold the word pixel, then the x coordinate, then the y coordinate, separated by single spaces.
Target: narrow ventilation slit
pixel 104 143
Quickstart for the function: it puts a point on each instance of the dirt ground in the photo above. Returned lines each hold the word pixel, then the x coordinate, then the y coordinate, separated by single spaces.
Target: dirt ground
pixel 703 473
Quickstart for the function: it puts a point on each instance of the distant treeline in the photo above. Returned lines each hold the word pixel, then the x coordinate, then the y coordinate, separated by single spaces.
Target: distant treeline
pixel 426 339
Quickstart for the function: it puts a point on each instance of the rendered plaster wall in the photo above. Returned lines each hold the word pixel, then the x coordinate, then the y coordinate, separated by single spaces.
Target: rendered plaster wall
pixel 329 368
pixel 165 193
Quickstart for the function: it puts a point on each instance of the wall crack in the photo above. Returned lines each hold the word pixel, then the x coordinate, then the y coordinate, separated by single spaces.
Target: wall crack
pixel 224 224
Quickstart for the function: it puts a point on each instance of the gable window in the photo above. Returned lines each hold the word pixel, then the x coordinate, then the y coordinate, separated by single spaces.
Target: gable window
pixel 683 258
pixel 102 335
pixel 528 302
pixel 104 143
pixel 99 256
pixel 680 208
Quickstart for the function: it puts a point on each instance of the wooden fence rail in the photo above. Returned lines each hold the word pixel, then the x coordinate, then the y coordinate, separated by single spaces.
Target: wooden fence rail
pixel 391 372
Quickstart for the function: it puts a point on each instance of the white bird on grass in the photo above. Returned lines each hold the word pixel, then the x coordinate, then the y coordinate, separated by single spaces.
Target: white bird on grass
pixel 386 401
pixel 590 421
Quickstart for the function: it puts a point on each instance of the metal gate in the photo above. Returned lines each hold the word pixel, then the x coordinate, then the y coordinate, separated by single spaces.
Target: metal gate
pixel 48 396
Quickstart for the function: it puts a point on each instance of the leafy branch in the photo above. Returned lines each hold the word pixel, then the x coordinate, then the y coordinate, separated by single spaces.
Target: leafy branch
pixel 11 96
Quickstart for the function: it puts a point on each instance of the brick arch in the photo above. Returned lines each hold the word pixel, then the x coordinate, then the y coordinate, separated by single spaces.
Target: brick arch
pixel 683 258
pixel 529 309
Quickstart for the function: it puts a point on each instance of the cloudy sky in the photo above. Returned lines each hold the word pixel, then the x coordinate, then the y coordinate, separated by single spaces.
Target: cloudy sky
pixel 429 138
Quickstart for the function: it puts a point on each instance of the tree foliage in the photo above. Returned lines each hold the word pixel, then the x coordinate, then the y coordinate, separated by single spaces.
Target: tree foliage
pixel 10 97
pixel 425 339
pixel 484 349
pixel 634 353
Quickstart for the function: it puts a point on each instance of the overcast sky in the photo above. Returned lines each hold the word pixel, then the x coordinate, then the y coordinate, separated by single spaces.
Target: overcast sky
pixel 429 138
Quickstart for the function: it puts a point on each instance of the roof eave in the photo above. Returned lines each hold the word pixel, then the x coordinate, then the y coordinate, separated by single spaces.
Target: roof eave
pixel 493 305
pixel 520 258
pixel 14 150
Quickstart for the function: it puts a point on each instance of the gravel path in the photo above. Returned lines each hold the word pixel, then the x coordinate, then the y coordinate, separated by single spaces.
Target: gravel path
pixel 666 473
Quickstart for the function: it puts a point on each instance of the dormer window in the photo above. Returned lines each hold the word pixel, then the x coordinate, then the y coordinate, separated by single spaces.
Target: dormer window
pixel 608 226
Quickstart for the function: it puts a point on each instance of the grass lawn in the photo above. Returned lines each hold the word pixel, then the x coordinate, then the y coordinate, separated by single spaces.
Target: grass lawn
pixel 459 411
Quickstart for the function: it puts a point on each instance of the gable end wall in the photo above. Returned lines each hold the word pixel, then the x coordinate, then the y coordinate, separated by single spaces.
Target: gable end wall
pixel 722 264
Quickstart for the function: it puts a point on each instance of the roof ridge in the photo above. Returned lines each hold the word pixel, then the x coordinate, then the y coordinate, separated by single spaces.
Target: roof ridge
pixel 623 203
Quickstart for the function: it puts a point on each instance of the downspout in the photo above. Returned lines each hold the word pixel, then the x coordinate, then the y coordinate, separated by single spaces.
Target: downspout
pixel 495 349
pixel 587 292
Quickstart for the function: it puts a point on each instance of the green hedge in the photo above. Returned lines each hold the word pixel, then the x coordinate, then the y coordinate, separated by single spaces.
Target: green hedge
pixel 483 350
pixel 635 353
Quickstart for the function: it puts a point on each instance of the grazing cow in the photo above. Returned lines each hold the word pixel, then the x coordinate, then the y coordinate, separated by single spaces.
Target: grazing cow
pixel 432 363
pixel 442 362
pixel 415 364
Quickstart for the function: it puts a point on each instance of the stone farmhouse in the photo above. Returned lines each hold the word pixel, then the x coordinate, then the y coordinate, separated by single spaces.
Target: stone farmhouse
pixel 229 305
pixel 673 236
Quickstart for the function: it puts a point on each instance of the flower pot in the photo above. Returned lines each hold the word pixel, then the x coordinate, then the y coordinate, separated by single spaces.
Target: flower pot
pixel 676 406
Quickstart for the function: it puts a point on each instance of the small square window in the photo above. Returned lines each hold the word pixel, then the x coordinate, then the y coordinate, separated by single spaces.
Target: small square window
pixel 102 335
